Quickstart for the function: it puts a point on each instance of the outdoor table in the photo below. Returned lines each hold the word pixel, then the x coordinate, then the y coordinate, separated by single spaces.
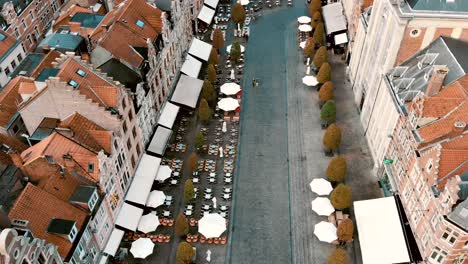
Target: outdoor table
pixel 227 180
pixel 168 198
pixel 227 174
pixel 227 190
pixel 206 207
pixel 232 141
pixel 212 174
pixel 188 212
pixel 212 180
pixel 208 196
pixel 210 167
pixel 195 180
pixel 226 196
pixel 176 173
pixel 223 208
pixel 223 214
pixel 189 207
pixel 174 182
pixel 208 190
pixel 217 140
pixel 166 213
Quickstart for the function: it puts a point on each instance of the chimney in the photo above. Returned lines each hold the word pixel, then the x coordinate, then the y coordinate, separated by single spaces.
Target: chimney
pixel 437 80
pixel 458 128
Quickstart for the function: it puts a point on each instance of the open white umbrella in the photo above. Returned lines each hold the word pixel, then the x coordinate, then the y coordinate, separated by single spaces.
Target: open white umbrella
pixel 214 202
pixel 228 104
pixel 244 2
pixel 233 76
pixel 142 247
pixel 212 225
pixel 164 173
pixel 304 20
pixel 230 88
pixel 224 129
pixel 305 28
pixel 325 231
pixel 220 152
pixel 155 199
pixel 302 44
pixel 148 223
pixel 228 48
pixel 322 206
pixel 321 186
pixel 310 80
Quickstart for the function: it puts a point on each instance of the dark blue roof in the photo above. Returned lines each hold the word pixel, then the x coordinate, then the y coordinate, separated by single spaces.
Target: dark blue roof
pixel 87 20
pixel 46 73
pixel 28 64
pixel 60 41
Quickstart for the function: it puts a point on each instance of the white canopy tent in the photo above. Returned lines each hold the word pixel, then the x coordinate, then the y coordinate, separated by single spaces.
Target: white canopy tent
pixel 322 206
pixel 164 173
pixel 304 20
pixel 114 242
pixel 228 104
pixel 341 38
pixel 380 231
pixel 191 66
pixel 144 177
pixel 148 223
pixel 228 48
pixel 230 88
pixel 129 217
pixel 142 248
pixel 206 14
pixel 156 198
pixel 333 17
pixel 305 28
pixel 212 225
pixel 325 231
pixel 211 3
pixel 187 91
pixel 310 80
pixel 168 115
pixel 159 141
pixel 200 49
pixel 321 186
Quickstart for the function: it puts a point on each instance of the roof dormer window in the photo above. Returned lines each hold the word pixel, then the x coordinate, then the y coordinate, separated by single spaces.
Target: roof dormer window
pixel 2 37
pixel 81 73
pixel 63 227
pixel 73 83
pixel 140 23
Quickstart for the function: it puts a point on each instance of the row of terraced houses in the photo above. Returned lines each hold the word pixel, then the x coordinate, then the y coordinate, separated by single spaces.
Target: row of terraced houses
pixel 83 85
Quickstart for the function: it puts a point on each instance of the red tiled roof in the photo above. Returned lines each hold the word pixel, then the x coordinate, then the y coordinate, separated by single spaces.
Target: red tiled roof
pixel 6 44
pixel 13 143
pixel 10 99
pixel 452 156
pixel 39 208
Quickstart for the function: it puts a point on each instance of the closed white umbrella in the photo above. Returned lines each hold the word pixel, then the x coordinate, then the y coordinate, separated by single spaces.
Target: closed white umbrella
pixel 304 19
pixel 321 186
pixel 244 2
pixel 310 80
pixel 228 104
pixel 214 202
pixel 305 28
pixel 142 247
pixel 230 88
pixel 228 48
pixel 233 76
pixel 308 70
pixel 212 225
pixel 148 223
pixel 208 255
pixel 155 199
pixel 164 173
pixel 302 44
pixel 322 206
pixel 220 152
pixel 308 61
pixel 224 129
pixel 325 231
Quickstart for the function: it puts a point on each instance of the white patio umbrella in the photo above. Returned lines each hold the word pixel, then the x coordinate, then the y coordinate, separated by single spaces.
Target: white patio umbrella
pixel 325 231
pixel 148 223
pixel 310 80
pixel 208 255
pixel 305 28
pixel 302 44
pixel 164 173
pixel 142 247
pixel 308 70
pixel 228 48
pixel 322 206
pixel 304 20
pixel 220 152
pixel 230 88
pixel 228 104
pixel 244 2
pixel 214 202
pixel 155 199
pixel 212 225
pixel 224 129
pixel 233 76
pixel 321 186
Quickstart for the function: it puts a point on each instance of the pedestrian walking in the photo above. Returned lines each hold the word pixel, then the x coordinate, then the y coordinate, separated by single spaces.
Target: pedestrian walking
pixel 253 82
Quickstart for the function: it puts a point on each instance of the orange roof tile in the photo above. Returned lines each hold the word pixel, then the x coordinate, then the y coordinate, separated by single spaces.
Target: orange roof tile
pixel 6 44
pixel 10 99
pixel 61 186
pixel 39 208
pixel 452 156
pixel 26 88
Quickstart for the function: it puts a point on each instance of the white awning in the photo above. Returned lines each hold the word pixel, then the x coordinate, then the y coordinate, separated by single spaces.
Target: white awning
pixel 187 91
pixel 341 38
pixel 380 231
pixel 114 242
pixel 191 67
pixel 168 115
pixel 145 174
pixel 206 14
pixel 333 17
pixel 212 3
pixel 200 49
pixel 164 173
pixel 129 217
pixel 159 141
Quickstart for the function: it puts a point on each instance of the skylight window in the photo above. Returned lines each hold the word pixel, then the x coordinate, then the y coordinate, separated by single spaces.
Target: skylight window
pixel 81 73
pixel 2 37
pixel 140 23
pixel 73 83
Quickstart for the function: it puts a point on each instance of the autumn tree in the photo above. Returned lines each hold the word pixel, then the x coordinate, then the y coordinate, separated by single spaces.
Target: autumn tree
pixel 184 253
pixel 235 52
pixel 181 225
pixel 238 13
pixel 204 111
pixel 324 74
pixel 211 73
pixel 332 137
pixel 328 112
pixel 193 162
pixel 319 34
pixel 317 18
pixel 341 197
pixel 326 92
pixel 345 230
pixel 320 57
pixel 218 39
pixel 338 256
pixel 214 57
pixel 336 170
pixel 189 191
pixel 309 49
pixel 315 6
pixel 199 140
pixel 208 93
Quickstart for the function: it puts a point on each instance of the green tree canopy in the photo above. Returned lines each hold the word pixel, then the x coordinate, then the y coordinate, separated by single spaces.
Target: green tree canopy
pixel 193 162
pixel 320 57
pixel 309 49
pixel 189 192
pixel 184 253
pixel 326 92
pixel 208 93
pixel 181 225
pixel 345 230
pixel 336 170
pixel 238 13
pixel 214 57
pixel 332 137
pixel 199 140
pixel 338 256
pixel 218 39
pixel 204 111
pixel 235 52
pixel 341 197
pixel 324 74
pixel 211 73
pixel 314 6
pixel 317 18
pixel 319 36
pixel 328 112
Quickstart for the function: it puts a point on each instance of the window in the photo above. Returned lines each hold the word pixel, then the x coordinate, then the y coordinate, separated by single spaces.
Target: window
pixel 116 146
pixel 13 64
pixel 124 104
pixel 134 132
pixel 50 159
pixel 450 236
pixel 91 167
pixel 429 165
pixel 133 161
pixel 415 33
pixel 81 73
pixel 435 220
pixel 130 115
pixel 41 259
pixel 129 144
pixel 138 149
pixel 124 126
pixel 438 255
pixel 17 34
pixel 140 23
pixel 73 233
pixel 73 83
pixel 20 57
pixel 87 235
pixel 93 200
pixel 31 15
pixel 7 71
pixel 72 261
pixel 23 24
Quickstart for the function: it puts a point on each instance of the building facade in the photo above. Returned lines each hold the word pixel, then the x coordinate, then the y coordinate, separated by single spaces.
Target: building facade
pixel 11 54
